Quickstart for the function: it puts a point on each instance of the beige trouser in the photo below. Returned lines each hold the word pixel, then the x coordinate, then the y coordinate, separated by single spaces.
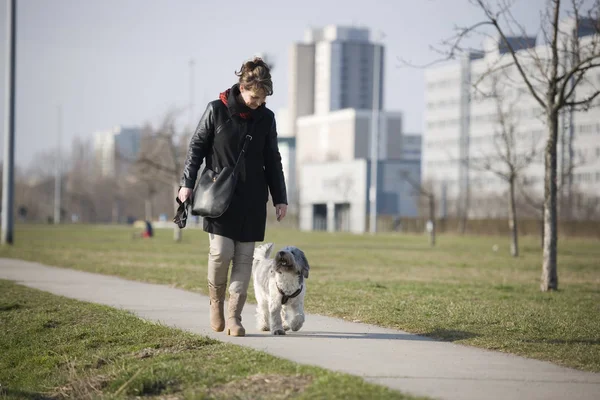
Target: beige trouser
pixel 222 252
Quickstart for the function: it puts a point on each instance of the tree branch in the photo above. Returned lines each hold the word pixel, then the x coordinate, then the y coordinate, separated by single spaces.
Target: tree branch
pixel 416 186
pixel 454 43
pixel 554 46
pixel 495 23
pixel 536 205
pixel 486 166
pixel 158 166
pixel 585 102
pixel 580 69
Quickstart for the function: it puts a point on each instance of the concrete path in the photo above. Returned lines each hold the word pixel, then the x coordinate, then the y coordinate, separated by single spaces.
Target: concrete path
pixel 401 361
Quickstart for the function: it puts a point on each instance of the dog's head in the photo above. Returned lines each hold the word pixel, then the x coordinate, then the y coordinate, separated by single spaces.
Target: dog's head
pixel 291 259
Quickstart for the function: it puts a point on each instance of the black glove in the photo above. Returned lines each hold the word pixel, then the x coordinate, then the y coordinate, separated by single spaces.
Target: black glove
pixel 182 213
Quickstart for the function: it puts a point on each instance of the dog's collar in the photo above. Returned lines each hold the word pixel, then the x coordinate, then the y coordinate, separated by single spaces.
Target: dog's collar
pixel 286 297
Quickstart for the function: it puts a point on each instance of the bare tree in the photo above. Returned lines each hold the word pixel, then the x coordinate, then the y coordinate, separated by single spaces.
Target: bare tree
pixel 511 154
pixel 431 200
pixel 269 59
pixel 143 175
pixel 160 159
pixel 80 180
pixel 588 206
pixel 37 193
pixel 550 74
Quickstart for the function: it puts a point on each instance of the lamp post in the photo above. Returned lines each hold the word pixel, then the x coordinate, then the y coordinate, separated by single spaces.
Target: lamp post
pixel 375 136
pixel 192 64
pixel 57 176
pixel 8 172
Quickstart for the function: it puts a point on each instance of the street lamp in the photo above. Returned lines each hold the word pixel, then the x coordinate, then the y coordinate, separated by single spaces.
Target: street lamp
pixel 375 135
pixel 57 176
pixel 192 65
pixel 8 173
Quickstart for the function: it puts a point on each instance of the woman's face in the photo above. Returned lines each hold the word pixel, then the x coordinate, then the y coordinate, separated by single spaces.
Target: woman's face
pixel 252 98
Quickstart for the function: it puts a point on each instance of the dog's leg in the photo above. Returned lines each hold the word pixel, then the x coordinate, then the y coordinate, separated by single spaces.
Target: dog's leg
pixel 296 312
pixel 297 322
pixel 275 316
pixel 262 315
pixel 285 317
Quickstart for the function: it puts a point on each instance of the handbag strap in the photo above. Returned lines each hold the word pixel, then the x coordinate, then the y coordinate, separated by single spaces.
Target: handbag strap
pixel 242 153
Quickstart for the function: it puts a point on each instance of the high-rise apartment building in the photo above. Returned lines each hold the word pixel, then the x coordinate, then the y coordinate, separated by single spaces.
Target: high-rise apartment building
pixel 333 69
pixel 116 149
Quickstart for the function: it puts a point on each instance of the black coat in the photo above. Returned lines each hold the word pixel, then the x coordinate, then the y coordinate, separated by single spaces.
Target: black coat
pixel 218 140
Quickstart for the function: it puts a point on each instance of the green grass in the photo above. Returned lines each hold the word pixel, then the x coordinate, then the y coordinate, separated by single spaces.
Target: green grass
pixel 53 347
pixel 461 290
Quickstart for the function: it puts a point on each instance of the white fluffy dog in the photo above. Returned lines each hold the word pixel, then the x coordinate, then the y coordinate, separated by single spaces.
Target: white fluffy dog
pixel 279 288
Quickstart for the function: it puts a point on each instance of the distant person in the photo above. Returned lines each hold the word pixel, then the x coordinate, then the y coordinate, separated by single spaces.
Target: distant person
pixel 397 223
pixel 23 213
pixel 148 232
pixel 219 137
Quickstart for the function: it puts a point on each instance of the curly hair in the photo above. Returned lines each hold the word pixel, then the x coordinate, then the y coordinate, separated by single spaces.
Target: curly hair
pixel 256 75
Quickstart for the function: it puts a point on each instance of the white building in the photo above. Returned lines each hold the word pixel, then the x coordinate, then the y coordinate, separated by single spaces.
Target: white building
pixel 333 195
pixel 333 154
pixel 287 150
pixel 462 129
pixel 344 135
pixel 116 149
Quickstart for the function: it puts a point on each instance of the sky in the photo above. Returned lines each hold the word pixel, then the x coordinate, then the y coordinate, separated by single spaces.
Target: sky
pixel 127 62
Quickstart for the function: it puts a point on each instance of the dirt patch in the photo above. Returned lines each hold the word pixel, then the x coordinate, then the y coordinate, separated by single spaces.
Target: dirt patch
pixel 262 387
pixel 9 306
pixel 51 324
pixel 83 387
pixel 151 352
pixel 80 385
pixel 173 348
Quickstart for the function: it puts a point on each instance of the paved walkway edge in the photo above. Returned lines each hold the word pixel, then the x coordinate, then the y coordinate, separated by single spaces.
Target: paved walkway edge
pixel 399 360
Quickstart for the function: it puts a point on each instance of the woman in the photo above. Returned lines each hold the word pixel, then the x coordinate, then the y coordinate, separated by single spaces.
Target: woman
pixel 218 139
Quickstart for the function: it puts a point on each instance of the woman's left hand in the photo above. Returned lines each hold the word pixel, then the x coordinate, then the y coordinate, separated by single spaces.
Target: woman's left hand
pixel 280 211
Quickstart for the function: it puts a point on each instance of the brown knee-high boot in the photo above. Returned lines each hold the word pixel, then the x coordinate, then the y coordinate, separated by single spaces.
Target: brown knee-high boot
pixel 234 320
pixel 217 307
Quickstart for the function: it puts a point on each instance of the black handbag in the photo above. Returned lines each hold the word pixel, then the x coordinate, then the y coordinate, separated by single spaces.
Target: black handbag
pixel 214 191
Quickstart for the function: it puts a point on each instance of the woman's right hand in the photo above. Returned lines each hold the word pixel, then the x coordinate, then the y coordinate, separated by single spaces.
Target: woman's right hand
pixel 184 194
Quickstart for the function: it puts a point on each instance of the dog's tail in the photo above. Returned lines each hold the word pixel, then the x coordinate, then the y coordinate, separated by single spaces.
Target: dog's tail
pixel 263 251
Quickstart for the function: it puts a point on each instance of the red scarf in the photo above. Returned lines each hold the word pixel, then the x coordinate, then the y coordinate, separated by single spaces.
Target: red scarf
pixel 224 96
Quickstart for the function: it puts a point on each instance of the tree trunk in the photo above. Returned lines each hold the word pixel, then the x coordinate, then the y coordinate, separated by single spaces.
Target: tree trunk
pixel 512 220
pixel 542 231
pixel 549 267
pixel 462 226
pixel 148 208
pixel 176 230
pixel 116 211
pixel 432 219
pixel 464 215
